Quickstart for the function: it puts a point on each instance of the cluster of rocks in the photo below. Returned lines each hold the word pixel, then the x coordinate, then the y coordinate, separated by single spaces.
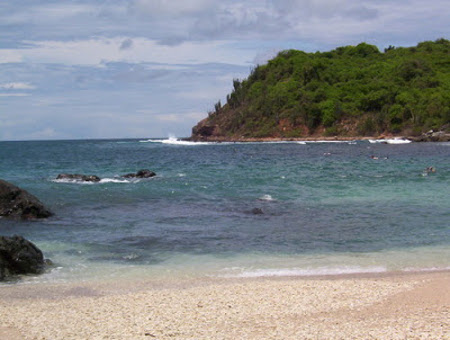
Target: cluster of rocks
pixel 432 136
pixel 17 255
pixel 78 177
pixel 144 173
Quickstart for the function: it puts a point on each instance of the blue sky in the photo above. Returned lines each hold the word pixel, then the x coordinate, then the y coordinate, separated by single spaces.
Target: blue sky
pixel 153 68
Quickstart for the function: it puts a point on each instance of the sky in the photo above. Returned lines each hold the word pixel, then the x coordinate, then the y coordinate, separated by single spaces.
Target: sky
pixel 154 68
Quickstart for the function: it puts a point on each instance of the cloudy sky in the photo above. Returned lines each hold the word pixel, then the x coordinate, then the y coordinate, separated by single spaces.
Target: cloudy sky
pixel 153 68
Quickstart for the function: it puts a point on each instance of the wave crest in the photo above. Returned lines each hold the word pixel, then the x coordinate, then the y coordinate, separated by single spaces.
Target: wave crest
pixel 176 141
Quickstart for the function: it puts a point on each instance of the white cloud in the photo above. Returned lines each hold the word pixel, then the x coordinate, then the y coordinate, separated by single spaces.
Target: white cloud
pixel 45 13
pixel 103 50
pixel 14 94
pixel 17 86
pixel 172 22
pixel 150 67
pixel 158 8
pixel 326 22
pixel 10 56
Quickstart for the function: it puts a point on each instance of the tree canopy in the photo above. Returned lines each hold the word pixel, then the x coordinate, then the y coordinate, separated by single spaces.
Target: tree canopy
pixel 352 90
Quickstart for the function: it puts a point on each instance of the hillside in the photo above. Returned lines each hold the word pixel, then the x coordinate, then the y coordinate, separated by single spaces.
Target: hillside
pixel 350 91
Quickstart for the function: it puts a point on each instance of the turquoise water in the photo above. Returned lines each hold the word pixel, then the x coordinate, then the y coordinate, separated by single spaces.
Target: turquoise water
pixel 328 208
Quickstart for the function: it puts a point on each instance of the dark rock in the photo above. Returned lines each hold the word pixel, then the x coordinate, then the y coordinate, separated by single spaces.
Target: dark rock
pixel 19 256
pixel 257 211
pixel 78 177
pixel 18 203
pixel 144 173
pixel 204 130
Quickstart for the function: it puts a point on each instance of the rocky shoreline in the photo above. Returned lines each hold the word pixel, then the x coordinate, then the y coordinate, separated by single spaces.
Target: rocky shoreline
pixel 431 136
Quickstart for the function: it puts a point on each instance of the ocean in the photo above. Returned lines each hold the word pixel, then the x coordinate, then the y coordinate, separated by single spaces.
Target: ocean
pixel 233 209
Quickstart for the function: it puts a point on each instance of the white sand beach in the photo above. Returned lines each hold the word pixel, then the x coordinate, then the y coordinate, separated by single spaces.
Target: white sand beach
pixel 395 306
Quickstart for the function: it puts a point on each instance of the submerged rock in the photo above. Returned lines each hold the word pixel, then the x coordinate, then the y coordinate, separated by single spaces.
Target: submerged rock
pixel 78 177
pixel 19 256
pixel 144 173
pixel 257 211
pixel 18 203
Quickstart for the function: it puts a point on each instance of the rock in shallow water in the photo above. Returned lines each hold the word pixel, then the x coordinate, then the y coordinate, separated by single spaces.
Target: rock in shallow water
pixel 78 177
pixel 19 256
pixel 145 173
pixel 257 211
pixel 18 203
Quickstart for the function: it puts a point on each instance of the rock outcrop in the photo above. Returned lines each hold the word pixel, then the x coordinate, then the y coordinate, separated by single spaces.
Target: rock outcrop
pixel 257 211
pixel 78 177
pixel 432 136
pixel 18 203
pixel 144 173
pixel 203 131
pixel 19 256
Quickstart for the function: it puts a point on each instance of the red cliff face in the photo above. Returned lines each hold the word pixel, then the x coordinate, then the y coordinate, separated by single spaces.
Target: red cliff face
pixel 204 130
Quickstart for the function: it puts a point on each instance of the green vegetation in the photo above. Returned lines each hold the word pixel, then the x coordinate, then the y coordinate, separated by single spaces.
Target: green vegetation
pixel 352 90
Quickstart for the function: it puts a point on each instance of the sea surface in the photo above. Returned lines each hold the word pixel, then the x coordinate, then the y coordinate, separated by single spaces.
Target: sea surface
pixel 233 209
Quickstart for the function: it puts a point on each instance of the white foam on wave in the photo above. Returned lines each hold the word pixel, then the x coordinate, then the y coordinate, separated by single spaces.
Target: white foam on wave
pixel 326 141
pixel 321 271
pixel 72 181
pixel 397 140
pixel 352 142
pixel 118 180
pixel 266 198
pixel 175 141
pixel 432 269
pixel 102 181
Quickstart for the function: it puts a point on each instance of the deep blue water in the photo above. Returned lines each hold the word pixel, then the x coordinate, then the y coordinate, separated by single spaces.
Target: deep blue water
pixel 326 206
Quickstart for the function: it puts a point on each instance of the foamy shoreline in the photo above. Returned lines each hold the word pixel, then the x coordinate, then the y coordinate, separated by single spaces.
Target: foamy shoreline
pixel 381 306
pixel 283 139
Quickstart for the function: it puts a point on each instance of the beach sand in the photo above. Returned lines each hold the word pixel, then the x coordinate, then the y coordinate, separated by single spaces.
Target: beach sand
pixel 394 306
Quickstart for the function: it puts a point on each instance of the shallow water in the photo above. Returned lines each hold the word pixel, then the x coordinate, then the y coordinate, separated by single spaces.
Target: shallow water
pixel 328 208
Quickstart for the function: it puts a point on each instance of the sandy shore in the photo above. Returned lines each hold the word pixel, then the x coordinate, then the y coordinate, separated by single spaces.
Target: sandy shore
pixel 398 306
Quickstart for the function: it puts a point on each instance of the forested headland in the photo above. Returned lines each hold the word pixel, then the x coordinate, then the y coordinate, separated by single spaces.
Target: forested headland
pixel 349 91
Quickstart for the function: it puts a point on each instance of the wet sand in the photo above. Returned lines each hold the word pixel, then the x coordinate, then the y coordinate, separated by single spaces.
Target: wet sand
pixel 394 306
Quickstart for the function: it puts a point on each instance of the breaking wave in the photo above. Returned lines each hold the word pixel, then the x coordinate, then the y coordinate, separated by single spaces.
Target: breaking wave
pixel 176 141
pixel 390 141
pixel 102 181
